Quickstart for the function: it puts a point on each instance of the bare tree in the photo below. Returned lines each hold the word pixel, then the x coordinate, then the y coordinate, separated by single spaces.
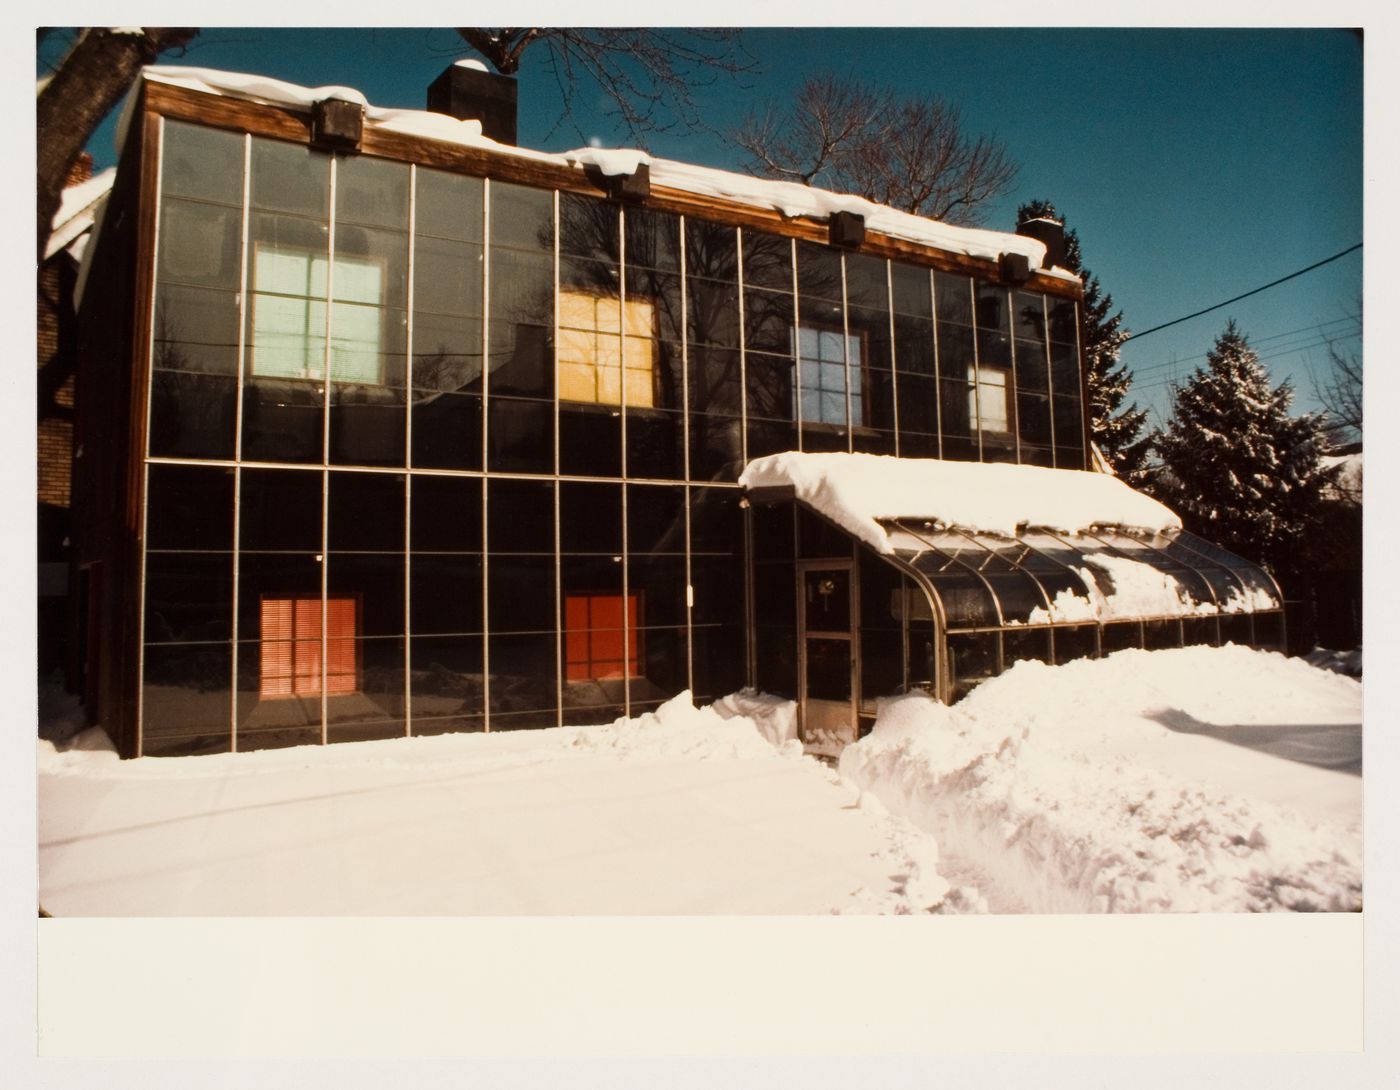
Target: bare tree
pixel 913 153
pixel 96 72
pixel 1340 394
pixel 650 75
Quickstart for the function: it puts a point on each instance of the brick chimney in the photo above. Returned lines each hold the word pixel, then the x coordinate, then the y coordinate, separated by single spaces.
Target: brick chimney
pixel 80 171
pixel 467 91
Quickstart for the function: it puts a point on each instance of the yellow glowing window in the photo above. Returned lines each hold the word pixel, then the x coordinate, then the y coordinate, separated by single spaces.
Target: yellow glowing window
pixel 607 349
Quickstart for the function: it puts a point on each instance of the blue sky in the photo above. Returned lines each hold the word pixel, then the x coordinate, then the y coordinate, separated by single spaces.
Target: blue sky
pixel 1195 164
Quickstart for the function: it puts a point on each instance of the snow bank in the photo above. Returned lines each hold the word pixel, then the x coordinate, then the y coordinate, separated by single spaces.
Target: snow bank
pixel 857 490
pixel 788 198
pixel 1147 781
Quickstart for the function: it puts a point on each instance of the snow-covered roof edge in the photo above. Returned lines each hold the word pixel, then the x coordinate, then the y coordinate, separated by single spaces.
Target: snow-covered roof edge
pixel 77 210
pixel 856 491
pixel 790 199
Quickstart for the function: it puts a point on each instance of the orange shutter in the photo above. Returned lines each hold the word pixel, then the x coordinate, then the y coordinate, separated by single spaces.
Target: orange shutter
pixel 593 636
pixel 291 646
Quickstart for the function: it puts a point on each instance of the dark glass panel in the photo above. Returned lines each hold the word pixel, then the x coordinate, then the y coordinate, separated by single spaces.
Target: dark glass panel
pixel 913 347
pixel 1268 630
pixel 273 575
pixel 371 266
pixel 1064 369
pixel 282 420
pixel 993 349
pixel 1199 631
pixel 774 533
pixel 376 708
pixel 716 521
pixel 866 282
pixel 966 601
pixel 767 261
pixel 955 352
pixel 1236 628
pixel 955 408
pixel 776 661
pixel 192 416
pixel 661 662
pixel 1031 455
pixel 993 307
pixel 280 509
pixel 654 440
pixel 521 435
pixel 445 686
pixel 662 293
pixel 881 663
pixel 768 321
pixel 1120 636
pixel 445 593
pixel 185 704
pixel 521 362
pixel 1025 643
pixel 957 448
pixel 588 227
pixel 1028 316
pixel 1064 321
pixel 587 703
pixel 590 574
pixel 189 507
pixel 713 317
pixel 1033 417
pixel 876 404
pixel 719 589
pixel 868 334
pixel 659 584
pixel 446 352
pixel 448 205
pixel 199 243
pixel 719 661
pixel 367 426
pixel 366 512
pixel 710 250
pixel 918 408
pixel 447 277
pixel 373 191
pixel 590 440
pixel 521 516
pixel 655 519
pixel 196 330
pixel 770 387
pixel 520 594
pixel 818 272
pixel 828 669
pixel 1068 422
pixel 1017 592
pixel 827 593
pixel 824 438
pixel 1032 372
pixel 189 597
pixel 290 178
pixel 715 451
pixel 653 239
pixel 590 517
pixel 912 292
pixel 1069 458
pixel 972 658
pixel 913 444
pixel 1079 642
pixel 522 217
pixel 272 722
pixel 921 655
pixel 377 581
pixel 447 431
pixel 1161 634
pixel 524 678
pixel 953 296
pixel 522 293
pixel 200 162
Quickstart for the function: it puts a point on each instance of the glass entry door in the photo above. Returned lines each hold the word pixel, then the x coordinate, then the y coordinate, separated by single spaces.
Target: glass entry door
pixel 826 674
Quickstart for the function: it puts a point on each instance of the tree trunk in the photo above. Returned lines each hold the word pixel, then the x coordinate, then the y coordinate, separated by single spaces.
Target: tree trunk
pixel 90 81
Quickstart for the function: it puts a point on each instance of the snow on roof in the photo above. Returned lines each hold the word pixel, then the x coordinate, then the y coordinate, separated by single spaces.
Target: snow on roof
pixel 855 491
pixel 77 211
pixel 790 199
pixel 1348 483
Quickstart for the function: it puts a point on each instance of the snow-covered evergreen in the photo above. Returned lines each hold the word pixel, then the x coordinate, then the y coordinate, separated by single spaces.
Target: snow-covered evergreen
pixel 1237 467
pixel 1117 431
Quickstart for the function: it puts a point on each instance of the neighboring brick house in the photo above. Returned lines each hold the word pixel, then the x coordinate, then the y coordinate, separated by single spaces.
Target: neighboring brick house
pixel 57 368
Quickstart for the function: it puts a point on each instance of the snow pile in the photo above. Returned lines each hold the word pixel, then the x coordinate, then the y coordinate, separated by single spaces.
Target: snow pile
pixel 790 199
pixel 774 717
pixel 1196 779
pixel 855 491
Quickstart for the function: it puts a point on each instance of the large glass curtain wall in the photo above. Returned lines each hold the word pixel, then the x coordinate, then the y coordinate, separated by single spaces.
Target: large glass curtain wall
pixel 1006 599
pixel 429 452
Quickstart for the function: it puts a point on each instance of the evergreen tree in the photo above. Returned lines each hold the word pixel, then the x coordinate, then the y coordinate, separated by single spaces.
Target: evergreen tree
pixel 1236 466
pixel 1117 431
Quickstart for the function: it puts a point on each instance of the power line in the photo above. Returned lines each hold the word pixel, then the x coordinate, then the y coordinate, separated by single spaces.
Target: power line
pixel 1256 343
pixel 1246 295
pixel 1159 383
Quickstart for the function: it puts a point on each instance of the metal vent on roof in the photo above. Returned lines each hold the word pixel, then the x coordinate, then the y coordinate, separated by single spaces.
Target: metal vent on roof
pixel 337 124
pixel 846 230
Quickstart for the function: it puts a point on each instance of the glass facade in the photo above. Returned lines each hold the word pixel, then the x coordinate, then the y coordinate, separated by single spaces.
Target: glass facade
pixel 430 452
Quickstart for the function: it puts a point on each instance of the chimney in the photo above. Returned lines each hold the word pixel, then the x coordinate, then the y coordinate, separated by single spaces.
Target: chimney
pixel 80 171
pixel 1050 233
pixel 467 91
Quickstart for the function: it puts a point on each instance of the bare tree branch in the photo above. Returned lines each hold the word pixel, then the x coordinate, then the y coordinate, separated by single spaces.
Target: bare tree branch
pixel 911 153
pixel 1341 394
pixel 649 75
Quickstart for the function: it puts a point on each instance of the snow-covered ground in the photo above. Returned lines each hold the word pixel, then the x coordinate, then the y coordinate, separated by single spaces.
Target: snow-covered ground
pixel 1197 779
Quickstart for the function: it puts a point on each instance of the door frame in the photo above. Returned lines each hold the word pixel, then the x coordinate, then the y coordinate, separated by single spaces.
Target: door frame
pixel 803 568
